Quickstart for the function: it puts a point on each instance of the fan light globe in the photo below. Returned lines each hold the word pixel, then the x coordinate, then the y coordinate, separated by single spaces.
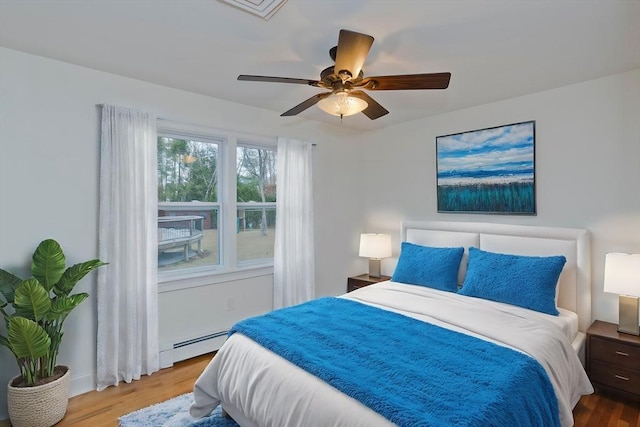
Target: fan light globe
pixel 342 104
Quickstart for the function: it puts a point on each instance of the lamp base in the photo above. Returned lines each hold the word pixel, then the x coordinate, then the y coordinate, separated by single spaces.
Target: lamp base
pixel 628 315
pixel 374 267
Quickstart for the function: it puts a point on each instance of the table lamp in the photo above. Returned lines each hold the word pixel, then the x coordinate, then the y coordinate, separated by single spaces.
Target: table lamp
pixel 622 277
pixel 375 247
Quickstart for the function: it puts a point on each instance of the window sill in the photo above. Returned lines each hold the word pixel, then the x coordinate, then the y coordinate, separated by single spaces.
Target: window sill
pixel 170 283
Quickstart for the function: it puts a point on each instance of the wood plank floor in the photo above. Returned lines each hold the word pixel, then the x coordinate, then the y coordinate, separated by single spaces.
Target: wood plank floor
pixel 98 409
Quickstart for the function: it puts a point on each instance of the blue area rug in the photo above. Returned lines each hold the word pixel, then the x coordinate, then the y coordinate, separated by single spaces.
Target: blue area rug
pixel 174 413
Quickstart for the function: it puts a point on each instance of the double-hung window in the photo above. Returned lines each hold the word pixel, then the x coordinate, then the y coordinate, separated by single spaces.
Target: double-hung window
pixel 216 202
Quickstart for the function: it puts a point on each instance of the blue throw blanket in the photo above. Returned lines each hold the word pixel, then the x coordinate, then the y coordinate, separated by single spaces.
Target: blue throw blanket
pixel 410 372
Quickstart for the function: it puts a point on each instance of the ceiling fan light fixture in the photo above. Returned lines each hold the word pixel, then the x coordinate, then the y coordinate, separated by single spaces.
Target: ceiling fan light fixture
pixel 342 104
pixel 348 84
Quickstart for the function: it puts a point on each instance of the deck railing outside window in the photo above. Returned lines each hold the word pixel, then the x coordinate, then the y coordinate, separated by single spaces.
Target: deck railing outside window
pixel 187 235
pixel 179 232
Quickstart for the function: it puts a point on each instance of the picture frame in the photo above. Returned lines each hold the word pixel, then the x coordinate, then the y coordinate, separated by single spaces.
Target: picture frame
pixel 489 171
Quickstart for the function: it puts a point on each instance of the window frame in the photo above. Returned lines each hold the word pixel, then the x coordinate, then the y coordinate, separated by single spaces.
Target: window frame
pixel 228 268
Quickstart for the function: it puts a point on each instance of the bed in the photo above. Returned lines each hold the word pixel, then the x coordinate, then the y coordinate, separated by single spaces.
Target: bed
pixel 411 354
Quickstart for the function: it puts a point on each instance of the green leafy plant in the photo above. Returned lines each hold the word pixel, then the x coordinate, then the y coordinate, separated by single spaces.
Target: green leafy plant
pixel 40 305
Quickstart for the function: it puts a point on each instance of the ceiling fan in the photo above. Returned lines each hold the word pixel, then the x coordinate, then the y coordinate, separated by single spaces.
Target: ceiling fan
pixel 345 79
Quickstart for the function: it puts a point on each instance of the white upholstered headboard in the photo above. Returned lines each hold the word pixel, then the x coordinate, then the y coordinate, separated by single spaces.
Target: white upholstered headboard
pixel 574 285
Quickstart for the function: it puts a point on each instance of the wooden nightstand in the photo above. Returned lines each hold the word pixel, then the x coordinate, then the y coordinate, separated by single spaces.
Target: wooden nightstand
pixel 613 360
pixel 357 282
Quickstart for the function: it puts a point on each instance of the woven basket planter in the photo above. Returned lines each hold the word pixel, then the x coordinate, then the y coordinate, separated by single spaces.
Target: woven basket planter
pixel 39 406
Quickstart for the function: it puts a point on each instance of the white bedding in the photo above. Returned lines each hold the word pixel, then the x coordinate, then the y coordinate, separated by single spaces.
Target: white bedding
pixel 261 388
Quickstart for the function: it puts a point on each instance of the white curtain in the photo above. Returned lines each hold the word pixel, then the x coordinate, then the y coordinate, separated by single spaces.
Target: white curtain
pixel 293 263
pixel 128 286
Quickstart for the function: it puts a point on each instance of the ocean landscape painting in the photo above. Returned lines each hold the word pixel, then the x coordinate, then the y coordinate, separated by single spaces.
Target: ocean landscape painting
pixel 489 170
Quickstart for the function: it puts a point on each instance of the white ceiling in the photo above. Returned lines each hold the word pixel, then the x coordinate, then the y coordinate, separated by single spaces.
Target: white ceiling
pixel 495 49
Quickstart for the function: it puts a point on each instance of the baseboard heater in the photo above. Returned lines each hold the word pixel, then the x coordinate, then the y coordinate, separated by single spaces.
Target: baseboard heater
pixel 187 349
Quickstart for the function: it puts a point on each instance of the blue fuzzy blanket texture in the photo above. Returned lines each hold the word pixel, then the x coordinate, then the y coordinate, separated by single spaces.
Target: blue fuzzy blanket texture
pixel 410 372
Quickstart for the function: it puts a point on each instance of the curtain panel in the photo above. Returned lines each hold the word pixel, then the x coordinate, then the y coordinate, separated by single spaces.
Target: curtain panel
pixel 293 262
pixel 127 344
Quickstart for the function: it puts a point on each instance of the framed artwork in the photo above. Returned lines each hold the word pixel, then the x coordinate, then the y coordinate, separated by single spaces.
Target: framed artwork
pixel 489 170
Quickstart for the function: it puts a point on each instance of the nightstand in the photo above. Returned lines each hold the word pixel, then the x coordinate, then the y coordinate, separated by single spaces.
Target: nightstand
pixel 613 360
pixel 357 282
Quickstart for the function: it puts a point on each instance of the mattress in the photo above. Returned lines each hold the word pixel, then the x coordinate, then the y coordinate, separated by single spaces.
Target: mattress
pixel 257 387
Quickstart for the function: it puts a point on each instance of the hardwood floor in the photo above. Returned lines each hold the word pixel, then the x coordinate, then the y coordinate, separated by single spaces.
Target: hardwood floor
pixel 605 410
pixel 98 409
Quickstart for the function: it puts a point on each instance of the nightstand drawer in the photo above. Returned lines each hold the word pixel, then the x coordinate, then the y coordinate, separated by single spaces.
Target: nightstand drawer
pixel 357 282
pixel 614 376
pixel 615 353
pixel 353 286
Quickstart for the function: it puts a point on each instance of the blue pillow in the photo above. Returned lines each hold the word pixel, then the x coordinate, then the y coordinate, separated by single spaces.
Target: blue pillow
pixel 427 266
pixel 525 281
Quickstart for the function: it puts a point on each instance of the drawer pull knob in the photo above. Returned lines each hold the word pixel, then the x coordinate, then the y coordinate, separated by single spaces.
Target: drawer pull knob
pixel 620 377
pixel 622 353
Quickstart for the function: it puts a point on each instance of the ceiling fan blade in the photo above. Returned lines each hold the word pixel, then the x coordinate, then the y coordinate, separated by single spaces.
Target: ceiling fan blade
pixel 305 104
pixel 407 82
pixel 373 110
pixel 244 77
pixel 352 51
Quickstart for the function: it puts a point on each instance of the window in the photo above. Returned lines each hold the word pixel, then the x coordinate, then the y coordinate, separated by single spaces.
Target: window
pixel 207 222
pixel 256 202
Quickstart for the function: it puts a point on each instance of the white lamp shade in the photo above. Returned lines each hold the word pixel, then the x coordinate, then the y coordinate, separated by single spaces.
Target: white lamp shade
pixel 342 104
pixel 375 245
pixel 622 274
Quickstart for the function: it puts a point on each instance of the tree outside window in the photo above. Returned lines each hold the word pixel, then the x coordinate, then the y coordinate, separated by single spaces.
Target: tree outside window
pixel 256 201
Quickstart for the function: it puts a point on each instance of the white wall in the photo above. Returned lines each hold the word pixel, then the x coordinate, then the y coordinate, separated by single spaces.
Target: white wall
pixel 587 168
pixel 49 160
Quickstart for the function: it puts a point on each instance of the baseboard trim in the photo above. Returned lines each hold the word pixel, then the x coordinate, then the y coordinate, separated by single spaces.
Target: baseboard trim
pixel 82 383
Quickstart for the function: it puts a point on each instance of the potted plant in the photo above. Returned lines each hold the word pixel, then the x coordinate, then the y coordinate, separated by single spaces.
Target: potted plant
pixel 38 397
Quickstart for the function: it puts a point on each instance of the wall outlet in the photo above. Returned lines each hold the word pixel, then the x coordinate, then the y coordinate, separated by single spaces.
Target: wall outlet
pixel 229 303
